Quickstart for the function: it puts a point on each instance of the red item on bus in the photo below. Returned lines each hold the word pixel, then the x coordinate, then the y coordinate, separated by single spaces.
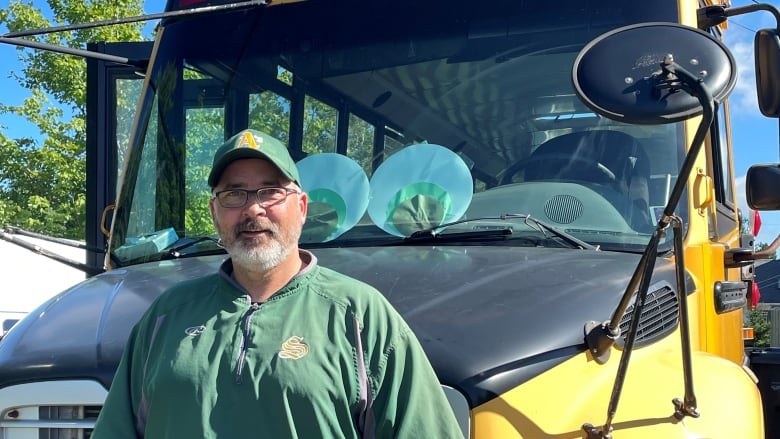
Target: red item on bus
pixel 755 296
pixel 756 223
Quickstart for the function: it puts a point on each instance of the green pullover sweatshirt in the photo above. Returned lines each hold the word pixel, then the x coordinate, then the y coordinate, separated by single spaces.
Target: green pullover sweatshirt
pixel 325 357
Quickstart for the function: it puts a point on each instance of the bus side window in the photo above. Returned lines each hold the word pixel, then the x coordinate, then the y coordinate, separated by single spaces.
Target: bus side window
pixel 724 191
pixel 722 172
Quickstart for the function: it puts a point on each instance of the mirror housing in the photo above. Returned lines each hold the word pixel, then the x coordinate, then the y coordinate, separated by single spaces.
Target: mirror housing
pixel 767 54
pixel 761 187
pixel 618 75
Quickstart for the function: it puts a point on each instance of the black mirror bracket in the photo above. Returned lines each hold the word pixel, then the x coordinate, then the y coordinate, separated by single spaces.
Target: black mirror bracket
pixel 600 337
pixel 659 91
pixel 686 406
pixel 738 257
pixel 593 432
pixel 673 78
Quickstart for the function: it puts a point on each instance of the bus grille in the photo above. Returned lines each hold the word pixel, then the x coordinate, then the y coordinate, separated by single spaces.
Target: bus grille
pixel 51 422
pixel 658 319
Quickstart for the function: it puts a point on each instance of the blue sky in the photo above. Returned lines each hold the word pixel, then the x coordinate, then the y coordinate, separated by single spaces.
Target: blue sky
pixel 755 137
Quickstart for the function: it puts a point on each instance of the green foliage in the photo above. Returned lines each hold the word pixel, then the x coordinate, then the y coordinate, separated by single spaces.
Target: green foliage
pixel 205 133
pixel 360 143
pixel 42 177
pixel 319 127
pixel 761 328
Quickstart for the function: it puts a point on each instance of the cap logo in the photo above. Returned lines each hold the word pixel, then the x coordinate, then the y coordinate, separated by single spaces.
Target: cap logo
pixel 248 140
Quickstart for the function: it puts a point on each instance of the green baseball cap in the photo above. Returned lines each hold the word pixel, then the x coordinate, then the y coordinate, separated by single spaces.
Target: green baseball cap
pixel 253 144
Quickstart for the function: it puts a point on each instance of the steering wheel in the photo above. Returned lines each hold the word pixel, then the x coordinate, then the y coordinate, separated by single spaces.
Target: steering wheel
pixel 568 167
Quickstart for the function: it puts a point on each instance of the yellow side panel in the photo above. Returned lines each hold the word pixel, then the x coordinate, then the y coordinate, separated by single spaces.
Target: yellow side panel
pixel 719 334
pixel 687 10
pixel 557 403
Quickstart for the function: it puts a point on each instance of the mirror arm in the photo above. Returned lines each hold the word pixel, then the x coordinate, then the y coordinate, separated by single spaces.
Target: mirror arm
pixel 768 252
pixel 600 338
pixel 732 12
pixel 710 16
pixel 674 78
pixel 686 406
pixel 695 86
pixel 740 257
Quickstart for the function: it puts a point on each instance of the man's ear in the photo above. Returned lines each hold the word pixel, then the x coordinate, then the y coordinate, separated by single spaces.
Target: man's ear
pixel 303 204
pixel 213 215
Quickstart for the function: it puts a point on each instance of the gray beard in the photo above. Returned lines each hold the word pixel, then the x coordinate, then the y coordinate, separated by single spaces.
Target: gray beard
pixel 248 255
pixel 252 258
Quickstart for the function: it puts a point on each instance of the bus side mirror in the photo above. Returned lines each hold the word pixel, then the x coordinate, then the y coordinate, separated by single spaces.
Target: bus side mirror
pixel 761 186
pixel 767 54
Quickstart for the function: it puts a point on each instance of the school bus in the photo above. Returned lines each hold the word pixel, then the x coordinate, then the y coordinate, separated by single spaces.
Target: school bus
pixel 544 190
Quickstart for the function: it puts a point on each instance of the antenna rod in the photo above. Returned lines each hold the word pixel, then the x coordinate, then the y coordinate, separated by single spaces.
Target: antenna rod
pixel 72 51
pixel 126 20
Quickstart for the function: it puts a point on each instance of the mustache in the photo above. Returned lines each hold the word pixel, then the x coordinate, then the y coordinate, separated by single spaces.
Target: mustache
pixel 255 226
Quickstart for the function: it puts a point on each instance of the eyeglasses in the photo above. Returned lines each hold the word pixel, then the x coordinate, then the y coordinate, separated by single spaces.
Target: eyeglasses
pixel 266 197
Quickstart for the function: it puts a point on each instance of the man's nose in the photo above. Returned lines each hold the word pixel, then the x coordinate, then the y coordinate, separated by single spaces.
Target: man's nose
pixel 253 206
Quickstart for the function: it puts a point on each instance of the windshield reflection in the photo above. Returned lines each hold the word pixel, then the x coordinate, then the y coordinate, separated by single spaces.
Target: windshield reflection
pixel 403 128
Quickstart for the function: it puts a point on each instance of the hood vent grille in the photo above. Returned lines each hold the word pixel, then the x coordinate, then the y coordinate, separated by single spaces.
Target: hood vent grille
pixel 659 316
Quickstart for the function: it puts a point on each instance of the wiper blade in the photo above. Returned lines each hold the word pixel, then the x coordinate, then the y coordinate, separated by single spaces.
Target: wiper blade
pixel 496 234
pixel 530 221
pixel 175 252
pixel 561 234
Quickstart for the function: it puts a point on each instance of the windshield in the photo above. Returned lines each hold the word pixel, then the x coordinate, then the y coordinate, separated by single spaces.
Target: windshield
pixel 402 116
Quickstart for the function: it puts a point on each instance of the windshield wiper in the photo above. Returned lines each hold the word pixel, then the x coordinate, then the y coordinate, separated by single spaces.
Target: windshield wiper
pixel 175 252
pixel 530 221
pixel 472 235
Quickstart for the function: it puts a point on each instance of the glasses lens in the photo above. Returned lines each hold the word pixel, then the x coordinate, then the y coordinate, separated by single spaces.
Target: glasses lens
pixel 265 197
pixel 235 198
pixel 271 194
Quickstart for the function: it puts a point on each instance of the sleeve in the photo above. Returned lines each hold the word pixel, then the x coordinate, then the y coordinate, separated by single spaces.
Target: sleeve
pixel 118 417
pixel 409 400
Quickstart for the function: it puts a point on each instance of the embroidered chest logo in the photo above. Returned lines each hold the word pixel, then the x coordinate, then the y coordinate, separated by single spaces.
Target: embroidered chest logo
pixel 294 348
pixel 194 331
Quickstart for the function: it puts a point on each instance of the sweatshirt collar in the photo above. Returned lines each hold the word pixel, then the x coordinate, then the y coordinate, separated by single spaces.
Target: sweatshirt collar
pixel 226 271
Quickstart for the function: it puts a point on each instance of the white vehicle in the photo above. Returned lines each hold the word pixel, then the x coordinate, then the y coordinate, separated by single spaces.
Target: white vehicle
pixel 21 264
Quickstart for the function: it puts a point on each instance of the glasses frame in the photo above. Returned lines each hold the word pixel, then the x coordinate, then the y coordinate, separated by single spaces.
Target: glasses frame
pixel 258 200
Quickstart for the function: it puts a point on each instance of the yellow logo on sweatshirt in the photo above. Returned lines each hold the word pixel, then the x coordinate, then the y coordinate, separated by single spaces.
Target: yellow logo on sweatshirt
pixel 294 348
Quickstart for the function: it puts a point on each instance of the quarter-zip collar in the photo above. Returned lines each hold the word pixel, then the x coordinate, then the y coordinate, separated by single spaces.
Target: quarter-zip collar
pixel 226 273
pixel 246 328
pixel 243 297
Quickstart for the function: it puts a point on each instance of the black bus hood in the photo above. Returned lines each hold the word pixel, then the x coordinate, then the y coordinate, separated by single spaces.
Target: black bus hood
pixel 488 317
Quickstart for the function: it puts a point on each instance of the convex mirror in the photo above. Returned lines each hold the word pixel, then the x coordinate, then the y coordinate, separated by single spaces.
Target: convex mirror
pixel 762 187
pixel 618 75
pixel 767 53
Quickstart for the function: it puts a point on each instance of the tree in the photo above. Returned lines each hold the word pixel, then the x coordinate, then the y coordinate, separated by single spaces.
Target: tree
pixel 42 175
pixel 761 328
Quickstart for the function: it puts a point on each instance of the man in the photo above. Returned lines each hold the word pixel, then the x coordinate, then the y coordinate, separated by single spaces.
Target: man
pixel 273 345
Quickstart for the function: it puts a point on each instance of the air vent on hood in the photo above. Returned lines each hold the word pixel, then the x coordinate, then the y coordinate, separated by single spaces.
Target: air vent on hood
pixel 659 316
